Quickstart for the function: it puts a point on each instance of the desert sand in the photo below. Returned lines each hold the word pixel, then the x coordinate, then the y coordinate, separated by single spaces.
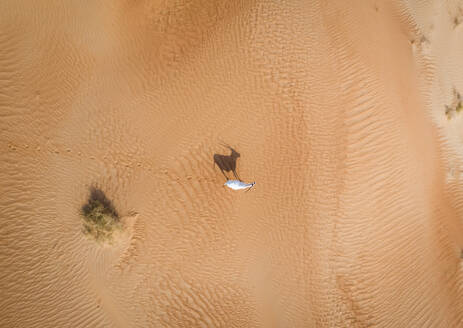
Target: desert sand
pixel 338 111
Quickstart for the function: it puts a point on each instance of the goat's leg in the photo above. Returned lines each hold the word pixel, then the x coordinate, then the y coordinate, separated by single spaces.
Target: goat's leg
pixel 224 174
pixel 236 175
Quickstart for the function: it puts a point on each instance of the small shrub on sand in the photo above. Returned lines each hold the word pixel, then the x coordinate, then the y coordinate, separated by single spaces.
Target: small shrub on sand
pixel 456 107
pixel 100 219
pixel 459 107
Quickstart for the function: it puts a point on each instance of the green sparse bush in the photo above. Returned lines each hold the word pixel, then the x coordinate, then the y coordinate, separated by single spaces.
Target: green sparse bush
pixel 100 219
pixel 459 107
pixel 456 107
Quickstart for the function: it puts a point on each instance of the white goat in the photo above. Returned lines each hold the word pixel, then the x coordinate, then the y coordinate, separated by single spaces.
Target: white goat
pixel 237 185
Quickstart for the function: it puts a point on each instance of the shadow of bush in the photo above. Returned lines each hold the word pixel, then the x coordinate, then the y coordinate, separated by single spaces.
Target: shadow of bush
pixel 100 218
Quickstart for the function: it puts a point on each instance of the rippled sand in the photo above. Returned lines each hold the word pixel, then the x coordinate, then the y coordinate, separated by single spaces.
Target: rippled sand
pixel 337 109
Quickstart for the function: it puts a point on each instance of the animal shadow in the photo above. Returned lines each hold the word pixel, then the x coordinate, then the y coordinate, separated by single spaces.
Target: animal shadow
pixel 227 163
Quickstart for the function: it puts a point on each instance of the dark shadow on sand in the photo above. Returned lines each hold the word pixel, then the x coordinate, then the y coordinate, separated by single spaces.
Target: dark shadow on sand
pixel 227 163
pixel 98 196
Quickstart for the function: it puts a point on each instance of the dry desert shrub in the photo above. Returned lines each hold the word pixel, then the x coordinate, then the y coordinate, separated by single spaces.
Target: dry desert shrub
pixel 456 107
pixel 100 218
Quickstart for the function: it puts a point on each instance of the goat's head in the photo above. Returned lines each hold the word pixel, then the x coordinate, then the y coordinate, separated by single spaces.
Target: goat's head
pixel 234 154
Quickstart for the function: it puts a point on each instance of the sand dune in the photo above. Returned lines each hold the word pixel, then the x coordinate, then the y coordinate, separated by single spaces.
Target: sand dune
pixel 338 112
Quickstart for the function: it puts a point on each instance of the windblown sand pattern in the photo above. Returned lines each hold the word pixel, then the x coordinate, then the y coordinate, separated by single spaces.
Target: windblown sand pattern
pixel 338 111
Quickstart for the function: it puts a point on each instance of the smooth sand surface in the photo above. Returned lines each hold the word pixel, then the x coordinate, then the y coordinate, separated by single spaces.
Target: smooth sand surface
pixel 337 109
